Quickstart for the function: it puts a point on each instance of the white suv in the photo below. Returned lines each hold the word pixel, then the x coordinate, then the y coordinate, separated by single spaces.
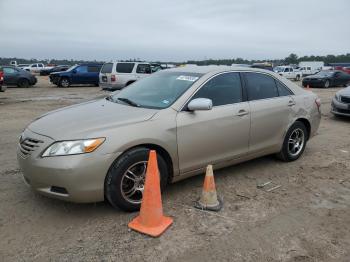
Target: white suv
pixel 117 75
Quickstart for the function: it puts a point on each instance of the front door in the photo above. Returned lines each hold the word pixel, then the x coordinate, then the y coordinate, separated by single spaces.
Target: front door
pixel 216 135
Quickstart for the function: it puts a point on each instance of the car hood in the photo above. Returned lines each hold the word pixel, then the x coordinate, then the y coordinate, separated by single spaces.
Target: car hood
pixel 88 119
pixel 344 92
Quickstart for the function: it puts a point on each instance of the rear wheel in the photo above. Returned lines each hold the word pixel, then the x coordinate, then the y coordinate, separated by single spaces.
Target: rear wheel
pixel 124 182
pixel 326 84
pixel 64 82
pixel 294 142
pixel 23 83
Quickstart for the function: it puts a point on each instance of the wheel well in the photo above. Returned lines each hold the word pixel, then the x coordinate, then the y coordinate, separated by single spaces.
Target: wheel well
pixel 307 125
pixel 160 150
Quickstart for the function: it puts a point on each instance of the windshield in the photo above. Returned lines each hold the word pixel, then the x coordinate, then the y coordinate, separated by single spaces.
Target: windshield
pixel 71 68
pixel 158 91
pixel 325 73
pixel 278 69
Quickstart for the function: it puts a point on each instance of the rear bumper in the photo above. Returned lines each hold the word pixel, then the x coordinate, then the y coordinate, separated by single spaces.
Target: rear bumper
pixel 110 87
pixel 339 108
pixel 2 87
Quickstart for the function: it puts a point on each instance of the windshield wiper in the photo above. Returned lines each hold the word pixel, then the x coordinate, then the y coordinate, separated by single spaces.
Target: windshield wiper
pixel 128 101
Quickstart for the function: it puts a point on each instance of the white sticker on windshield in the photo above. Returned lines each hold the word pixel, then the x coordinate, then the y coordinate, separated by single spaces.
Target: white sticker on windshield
pixel 187 78
pixel 165 102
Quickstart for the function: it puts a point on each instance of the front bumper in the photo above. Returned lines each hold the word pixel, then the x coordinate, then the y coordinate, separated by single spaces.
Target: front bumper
pixel 339 108
pixel 75 178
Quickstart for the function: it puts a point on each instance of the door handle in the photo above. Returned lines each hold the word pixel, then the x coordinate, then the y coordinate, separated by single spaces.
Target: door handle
pixel 242 112
pixel 291 103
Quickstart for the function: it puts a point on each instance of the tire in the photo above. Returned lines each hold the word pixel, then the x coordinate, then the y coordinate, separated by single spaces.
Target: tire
pixel 326 84
pixel 119 177
pixel 97 85
pixel 297 78
pixel 129 83
pixel 64 82
pixel 288 152
pixel 23 83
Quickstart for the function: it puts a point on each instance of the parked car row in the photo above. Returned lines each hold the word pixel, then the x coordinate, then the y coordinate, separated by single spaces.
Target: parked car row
pixel 327 79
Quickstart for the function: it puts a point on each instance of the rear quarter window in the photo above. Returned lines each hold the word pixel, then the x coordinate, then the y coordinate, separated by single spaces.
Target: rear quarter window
pixel 125 67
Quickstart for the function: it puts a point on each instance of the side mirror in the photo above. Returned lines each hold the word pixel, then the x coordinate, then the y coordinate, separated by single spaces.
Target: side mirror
pixel 74 71
pixel 200 104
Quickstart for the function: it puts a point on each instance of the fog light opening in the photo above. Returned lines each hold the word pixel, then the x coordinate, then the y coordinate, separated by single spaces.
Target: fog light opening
pixel 59 190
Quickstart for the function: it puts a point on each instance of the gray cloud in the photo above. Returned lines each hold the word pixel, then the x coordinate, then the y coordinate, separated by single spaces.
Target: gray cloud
pixel 172 30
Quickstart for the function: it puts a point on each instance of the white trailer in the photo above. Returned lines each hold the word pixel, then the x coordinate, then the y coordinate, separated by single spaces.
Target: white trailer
pixel 310 67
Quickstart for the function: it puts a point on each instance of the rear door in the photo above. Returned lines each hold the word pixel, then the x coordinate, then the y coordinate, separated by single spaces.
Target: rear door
pixel 272 108
pixel 93 74
pixel 125 73
pixel 143 70
pixel 216 135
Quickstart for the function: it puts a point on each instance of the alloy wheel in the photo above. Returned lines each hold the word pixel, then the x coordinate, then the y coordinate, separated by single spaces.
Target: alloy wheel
pixel 296 142
pixel 133 181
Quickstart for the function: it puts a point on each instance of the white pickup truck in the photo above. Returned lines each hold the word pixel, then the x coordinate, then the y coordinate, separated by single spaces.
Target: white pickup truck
pixel 35 68
pixel 288 72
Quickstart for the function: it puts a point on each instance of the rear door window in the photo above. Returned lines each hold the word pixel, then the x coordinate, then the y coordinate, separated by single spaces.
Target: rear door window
pixel 143 69
pixel 282 89
pixel 222 89
pixel 94 69
pixel 125 67
pixel 107 68
pixel 260 86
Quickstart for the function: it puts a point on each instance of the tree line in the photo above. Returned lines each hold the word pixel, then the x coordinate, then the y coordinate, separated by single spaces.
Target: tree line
pixel 291 59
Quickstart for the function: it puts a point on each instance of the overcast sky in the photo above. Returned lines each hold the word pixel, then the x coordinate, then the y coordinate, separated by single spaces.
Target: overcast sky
pixel 175 30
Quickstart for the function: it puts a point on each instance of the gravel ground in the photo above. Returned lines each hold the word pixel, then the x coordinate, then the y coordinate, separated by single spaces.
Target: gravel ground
pixel 306 219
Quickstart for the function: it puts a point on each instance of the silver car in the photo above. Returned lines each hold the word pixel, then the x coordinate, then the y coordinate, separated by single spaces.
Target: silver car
pixel 192 116
pixel 341 102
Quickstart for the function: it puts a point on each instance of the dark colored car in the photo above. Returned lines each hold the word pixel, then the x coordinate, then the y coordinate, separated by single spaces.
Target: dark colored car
pixel 14 76
pixel 327 79
pixel 78 74
pixel 61 68
pixel 2 86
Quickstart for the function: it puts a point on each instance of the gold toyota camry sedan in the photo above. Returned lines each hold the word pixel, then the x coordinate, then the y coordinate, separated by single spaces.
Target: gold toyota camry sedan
pixel 192 116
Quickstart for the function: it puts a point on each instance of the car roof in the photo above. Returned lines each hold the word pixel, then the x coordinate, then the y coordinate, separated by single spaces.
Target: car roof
pixel 213 68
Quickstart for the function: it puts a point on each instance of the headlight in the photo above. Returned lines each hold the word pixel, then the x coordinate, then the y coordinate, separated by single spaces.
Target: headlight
pixel 74 147
pixel 337 97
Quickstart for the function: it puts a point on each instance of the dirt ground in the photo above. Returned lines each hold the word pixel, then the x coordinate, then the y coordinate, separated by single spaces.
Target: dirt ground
pixel 306 219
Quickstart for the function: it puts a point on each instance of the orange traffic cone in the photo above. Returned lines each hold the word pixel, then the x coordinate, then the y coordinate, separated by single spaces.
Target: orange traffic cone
pixel 151 220
pixel 209 199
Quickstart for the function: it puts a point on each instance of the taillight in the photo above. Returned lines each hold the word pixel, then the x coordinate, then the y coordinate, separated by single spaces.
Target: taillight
pixel 318 103
pixel 113 78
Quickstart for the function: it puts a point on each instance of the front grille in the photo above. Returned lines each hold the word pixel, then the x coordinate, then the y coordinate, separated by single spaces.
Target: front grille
pixel 28 145
pixel 345 99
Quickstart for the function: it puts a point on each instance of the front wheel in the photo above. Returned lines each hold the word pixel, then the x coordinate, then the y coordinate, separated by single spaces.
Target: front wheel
pixel 64 82
pixel 297 78
pixel 124 183
pixel 294 142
